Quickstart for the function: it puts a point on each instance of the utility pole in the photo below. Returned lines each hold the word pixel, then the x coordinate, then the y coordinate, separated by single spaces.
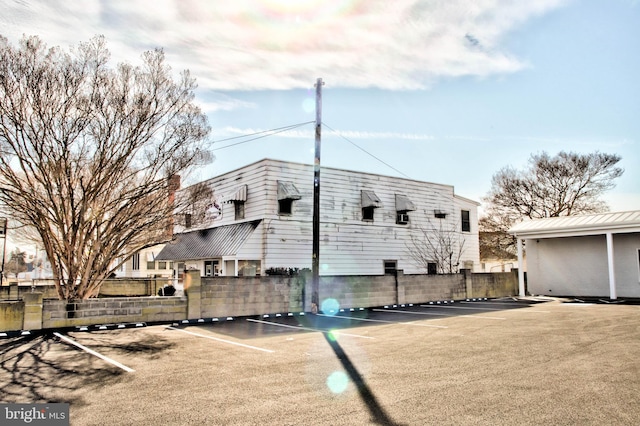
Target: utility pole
pixel 315 260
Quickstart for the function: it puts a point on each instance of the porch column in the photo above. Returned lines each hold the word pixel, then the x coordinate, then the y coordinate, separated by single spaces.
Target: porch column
pixel 520 269
pixel 612 273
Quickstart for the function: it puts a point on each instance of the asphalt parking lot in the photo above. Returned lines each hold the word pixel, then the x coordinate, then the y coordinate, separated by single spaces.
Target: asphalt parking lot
pixel 477 362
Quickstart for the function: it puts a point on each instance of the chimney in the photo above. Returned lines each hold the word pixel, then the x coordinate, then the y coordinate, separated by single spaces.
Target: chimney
pixel 173 186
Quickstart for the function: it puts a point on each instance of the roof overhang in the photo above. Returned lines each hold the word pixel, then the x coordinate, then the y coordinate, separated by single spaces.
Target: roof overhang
pixel 576 226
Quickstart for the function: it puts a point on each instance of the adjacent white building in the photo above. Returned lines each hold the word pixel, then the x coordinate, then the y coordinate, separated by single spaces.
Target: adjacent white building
pixel 591 255
pixel 258 218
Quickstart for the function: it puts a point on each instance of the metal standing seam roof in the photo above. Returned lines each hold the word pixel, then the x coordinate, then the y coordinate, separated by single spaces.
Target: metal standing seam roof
pixel 208 243
pixel 579 225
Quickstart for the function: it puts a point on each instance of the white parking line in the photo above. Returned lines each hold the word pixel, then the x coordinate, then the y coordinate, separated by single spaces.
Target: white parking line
pixel 433 313
pixel 334 332
pixel 482 309
pixel 221 340
pixel 383 321
pixel 92 352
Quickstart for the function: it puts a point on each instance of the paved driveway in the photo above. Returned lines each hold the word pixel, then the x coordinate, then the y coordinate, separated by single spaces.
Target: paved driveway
pixel 493 362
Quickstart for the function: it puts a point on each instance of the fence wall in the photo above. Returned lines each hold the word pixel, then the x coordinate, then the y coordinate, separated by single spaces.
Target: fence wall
pixel 246 296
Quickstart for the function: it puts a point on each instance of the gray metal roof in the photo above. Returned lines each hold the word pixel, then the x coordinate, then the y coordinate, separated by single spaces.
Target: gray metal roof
pixel 208 243
pixel 565 226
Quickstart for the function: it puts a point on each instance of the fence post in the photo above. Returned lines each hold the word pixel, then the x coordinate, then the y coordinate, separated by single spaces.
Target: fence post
pixel 192 288
pixel 468 280
pixel 32 311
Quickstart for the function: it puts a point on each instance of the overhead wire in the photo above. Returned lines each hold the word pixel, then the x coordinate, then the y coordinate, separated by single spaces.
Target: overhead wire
pixel 262 133
pixel 364 150
pixel 271 132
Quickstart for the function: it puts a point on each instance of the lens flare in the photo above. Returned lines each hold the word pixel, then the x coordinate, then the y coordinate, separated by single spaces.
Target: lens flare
pixel 330 306
pixel 337 382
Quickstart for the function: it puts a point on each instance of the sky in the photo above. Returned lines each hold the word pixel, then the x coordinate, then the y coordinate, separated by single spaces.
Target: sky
pixel 440 91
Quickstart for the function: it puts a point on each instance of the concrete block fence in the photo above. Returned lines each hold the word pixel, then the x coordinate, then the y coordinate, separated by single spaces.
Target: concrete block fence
pixel 212 297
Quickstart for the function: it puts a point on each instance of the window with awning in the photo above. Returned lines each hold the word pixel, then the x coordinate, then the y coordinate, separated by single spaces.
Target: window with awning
pixel 403 206
pixel 369 202
pixel 287 194
pixel 238 199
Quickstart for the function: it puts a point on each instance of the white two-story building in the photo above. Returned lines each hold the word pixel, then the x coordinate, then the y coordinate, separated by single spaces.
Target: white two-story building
pixel 256 219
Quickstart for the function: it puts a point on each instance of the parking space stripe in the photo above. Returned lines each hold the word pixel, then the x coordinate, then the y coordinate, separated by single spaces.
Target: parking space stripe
pixel 383 321
pixel 334 332
pixel 481 309
pixel 221 340
pixel 94 353
pixel 433 313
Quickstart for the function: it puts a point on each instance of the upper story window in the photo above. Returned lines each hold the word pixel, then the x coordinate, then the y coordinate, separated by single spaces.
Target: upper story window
pixel 403 206
pixel 369 201
pixel 287 194
pixel 238 199
pixel 239 210
pixel 465 220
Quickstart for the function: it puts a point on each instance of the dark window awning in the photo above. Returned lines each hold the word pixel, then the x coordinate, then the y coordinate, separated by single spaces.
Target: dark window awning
pixel 208 243
pixel 239 196
pixel 288 191
pixel 404 204
pixel 370 199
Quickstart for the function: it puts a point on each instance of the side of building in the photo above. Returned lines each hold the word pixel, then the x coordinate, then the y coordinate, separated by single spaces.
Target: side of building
pixel 264 210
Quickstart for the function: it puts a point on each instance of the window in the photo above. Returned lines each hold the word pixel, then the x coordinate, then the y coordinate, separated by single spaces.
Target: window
pixel 432 268
pixel 239 209
pixel 390 267
pixel 638 265
pixel 285 206
pixel 403 206
pixel 151 265
pixel 466 221
pixel 367 213
pixel 402 218
pixel 287 194
pixel 369 202
pixel 211 268
pixel 162 265
pixel 248 268
pixel 135 262
pixel 439 214
pixel 187 220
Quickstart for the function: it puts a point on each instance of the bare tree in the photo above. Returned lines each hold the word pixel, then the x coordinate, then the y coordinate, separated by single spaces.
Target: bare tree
pixel 442 245
pixel 89 153
pixel 564 185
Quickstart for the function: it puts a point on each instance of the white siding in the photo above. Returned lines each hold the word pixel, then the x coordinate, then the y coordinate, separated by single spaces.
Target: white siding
pixel 577 266
pixel 348 245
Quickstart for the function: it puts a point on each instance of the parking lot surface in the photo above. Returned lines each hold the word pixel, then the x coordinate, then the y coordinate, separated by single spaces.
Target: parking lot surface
pixel 485 362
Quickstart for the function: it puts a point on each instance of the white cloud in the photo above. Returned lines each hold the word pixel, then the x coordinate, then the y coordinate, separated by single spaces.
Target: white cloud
pixel 283 44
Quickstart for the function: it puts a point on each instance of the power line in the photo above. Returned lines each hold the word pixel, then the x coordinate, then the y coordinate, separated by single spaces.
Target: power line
pixel 270 132
pixel 365 151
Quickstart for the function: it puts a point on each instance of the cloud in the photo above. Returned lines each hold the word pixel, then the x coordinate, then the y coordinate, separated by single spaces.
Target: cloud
pixel 284 44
